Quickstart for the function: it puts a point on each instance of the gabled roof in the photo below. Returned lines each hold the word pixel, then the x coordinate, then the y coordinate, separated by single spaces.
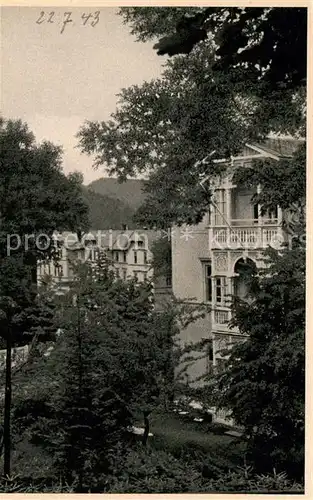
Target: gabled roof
pixel 110 239
pixel 124 239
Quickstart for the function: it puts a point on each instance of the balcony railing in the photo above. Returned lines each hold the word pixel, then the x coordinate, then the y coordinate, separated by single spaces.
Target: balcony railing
pixel 250 237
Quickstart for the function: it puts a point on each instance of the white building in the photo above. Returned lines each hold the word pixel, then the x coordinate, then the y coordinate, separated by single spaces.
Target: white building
pixel 208 265
pixel 128 253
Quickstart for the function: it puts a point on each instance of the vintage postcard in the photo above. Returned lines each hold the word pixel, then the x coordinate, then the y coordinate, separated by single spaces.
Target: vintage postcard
pixel 153 248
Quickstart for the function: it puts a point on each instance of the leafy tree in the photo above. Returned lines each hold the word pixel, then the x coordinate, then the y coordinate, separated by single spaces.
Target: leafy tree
pixel 162 257
pixel 269 43
pixel 166 127
pixel 263 51
pixel 231 88
pixel 263 383
pixel 114 363
pixel 35 199
pixel 172 128
pixel 110 363
pixel 47 201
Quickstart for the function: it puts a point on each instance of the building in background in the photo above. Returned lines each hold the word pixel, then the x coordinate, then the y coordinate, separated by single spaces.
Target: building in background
pixel 209 260
pixel 128 253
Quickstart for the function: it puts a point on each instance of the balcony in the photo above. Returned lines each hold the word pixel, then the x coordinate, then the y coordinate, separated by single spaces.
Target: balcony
pixel 246 236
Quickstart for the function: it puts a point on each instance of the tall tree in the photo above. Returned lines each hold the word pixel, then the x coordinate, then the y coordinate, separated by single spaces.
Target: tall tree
pixel 36 198
pixel 172 128
pixel 263 383
pixel 109 363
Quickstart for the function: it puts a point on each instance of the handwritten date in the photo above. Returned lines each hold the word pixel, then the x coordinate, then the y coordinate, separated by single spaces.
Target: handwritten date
pixel 67 18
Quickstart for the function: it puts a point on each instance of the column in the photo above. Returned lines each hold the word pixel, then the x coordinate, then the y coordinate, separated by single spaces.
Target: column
pixel 213 303
pixel 228 212
pixel 260 221
pixel 65 262
pixel 228 204
pixel 281 237
pixel 279 216
pixel 214 349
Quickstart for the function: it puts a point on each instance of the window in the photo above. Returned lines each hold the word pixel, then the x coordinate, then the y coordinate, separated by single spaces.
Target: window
pixel 208 282
pixel 135 257
pixel 116 256
pixel 169 280
pixel 256 211
pixel 124 274
pixel 140 244
pixel 145 257
pixel 220 290
pixel 135 274
pixel 124 256
pixel 145 275
pixel 209 216
pixel 273 214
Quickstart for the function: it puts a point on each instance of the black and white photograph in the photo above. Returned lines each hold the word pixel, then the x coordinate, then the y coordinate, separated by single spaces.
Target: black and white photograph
pixel 153 249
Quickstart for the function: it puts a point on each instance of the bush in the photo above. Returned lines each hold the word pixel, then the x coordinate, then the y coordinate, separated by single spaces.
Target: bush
pixel 143 470
pixel 150 471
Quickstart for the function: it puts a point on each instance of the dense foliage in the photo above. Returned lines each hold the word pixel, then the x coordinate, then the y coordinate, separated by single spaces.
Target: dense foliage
pixel 162 257
pixel 205 106
pixel 149 471
pixel 269 43
pixel 114 361
pixel 264 384
pixel 36 198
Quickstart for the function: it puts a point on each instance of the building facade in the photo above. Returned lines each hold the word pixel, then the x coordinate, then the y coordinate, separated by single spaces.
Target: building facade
pixel 209 261
pixel 128 253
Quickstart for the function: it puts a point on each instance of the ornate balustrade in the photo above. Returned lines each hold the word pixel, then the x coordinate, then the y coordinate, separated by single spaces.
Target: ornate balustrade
pixel 249 237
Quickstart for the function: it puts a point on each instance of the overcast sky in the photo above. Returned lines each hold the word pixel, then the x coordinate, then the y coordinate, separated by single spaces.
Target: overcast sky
pixel 56 81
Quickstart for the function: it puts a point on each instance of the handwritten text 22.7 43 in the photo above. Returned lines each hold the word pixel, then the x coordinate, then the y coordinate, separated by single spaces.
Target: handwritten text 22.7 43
pixel 68 18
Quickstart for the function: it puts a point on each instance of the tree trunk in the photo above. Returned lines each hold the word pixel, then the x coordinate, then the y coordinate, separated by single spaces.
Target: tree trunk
pixel 7 406
pixel 146 426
